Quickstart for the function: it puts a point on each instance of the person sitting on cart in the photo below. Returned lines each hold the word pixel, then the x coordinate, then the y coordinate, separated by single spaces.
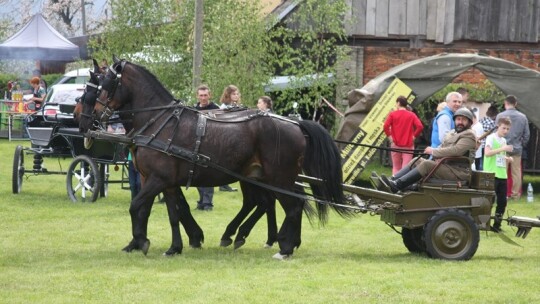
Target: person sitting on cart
pixel 461 141
pixel 36 101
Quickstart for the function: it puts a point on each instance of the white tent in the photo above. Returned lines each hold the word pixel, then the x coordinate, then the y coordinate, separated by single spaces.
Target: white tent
pixel 38 40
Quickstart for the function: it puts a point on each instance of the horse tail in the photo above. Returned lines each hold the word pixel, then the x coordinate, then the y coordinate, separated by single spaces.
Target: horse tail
pixel 323 160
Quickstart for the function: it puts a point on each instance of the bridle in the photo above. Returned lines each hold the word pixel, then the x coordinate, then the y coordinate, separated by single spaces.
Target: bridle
pixel 111 86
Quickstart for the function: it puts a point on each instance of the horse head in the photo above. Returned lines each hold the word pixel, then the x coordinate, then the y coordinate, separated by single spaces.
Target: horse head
pixel 97 102
pixel 84 110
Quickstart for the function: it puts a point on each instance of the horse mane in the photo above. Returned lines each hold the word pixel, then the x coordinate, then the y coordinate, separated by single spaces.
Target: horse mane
pixel 151 83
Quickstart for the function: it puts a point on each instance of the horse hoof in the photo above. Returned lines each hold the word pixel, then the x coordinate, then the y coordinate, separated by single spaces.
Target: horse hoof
pixel 225 242
pixel 172 252
pixel 267 246
pixel 145 247
pixel 239 244
pixel 281 257
pixel 130 247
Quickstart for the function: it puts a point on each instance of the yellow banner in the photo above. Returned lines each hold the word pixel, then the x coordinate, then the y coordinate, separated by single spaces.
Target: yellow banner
pixel 370 131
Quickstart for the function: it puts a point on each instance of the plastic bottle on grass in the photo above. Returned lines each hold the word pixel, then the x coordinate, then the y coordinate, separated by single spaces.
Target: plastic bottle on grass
pixel 530 197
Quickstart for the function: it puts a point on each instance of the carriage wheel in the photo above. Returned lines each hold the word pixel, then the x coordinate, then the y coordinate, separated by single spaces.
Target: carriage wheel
pixel 18 170
pixel 104 173
pixel 412 239
pixel 83 180
pixel 451 235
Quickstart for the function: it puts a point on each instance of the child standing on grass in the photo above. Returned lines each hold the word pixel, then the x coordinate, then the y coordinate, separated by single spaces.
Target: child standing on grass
pixel 495 161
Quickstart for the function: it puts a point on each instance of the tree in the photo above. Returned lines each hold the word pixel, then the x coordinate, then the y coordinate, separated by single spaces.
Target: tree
pixel 63 15
pixel 305 46
pixel 234 43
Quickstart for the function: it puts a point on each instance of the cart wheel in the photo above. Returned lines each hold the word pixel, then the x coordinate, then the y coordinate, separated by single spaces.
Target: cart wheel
pixel 83 179
pixel 451 235
pixel 412 239
pixel 104 173
pixel 18 170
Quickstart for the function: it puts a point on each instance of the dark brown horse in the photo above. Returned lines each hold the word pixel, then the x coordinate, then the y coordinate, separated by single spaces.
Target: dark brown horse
pixel 263 204
pixel 177 145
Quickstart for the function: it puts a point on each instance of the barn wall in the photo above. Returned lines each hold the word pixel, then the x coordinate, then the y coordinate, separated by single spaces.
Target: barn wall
pixel 380 59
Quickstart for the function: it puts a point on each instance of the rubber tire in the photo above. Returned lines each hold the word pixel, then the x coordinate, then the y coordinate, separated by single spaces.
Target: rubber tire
pixel 413 239
pixel 74 172
pixel 18 170
pixel 451 235
pixel 104 173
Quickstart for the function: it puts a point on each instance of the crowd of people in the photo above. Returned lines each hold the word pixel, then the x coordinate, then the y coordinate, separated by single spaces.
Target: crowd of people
pixel 456 131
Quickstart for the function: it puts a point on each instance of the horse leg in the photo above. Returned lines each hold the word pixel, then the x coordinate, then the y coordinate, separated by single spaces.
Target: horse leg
pixel 193 230
pixel 226 238
pixel 271 223
pixel 247 205
pixel 289 234
pixel 139 211
pixel 172 201
pixel 245 228
pixel 265 198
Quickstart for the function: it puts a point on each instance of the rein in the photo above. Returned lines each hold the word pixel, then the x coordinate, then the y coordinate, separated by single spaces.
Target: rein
pixel 415 151
pixel 205 161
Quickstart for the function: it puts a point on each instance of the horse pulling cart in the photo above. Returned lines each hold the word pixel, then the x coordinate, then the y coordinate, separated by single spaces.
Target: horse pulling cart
pixel 179 146
pixel 87 176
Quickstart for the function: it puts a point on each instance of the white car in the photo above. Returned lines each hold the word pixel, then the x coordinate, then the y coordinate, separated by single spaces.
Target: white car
pixel 60 101
pixel 80 76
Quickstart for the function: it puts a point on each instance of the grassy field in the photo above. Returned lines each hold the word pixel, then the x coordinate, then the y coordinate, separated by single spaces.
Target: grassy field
pixel 56 251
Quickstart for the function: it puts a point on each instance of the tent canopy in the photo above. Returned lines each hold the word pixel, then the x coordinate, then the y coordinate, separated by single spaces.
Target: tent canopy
pixel 428 75
pixel 38 40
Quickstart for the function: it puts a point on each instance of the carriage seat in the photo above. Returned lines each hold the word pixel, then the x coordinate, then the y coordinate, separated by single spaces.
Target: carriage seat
pixel 429 180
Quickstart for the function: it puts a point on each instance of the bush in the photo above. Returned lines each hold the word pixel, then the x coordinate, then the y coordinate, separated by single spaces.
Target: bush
pixel 4 78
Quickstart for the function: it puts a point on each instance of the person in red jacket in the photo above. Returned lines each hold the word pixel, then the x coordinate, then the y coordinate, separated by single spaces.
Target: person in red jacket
pixel 402 127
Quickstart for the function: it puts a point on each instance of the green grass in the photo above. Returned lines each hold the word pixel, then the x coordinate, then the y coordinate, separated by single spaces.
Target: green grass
pixel 56 251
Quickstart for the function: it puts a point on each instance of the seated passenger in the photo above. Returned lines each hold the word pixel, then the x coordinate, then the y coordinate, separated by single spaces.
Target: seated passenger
pixel 459 142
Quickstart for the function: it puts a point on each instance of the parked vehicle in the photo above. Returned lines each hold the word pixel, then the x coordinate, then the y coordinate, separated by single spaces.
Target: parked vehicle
pixel 79 76
pixel 61 100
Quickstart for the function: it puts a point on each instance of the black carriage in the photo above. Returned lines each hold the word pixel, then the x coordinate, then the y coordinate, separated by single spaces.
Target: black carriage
pixel 57 136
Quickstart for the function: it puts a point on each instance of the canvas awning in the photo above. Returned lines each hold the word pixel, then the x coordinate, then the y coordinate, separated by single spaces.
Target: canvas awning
pixel 38 40
pixel 428 75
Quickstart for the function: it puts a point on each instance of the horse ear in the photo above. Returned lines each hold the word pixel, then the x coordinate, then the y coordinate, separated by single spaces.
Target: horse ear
pixel 115 59
pixel 96 66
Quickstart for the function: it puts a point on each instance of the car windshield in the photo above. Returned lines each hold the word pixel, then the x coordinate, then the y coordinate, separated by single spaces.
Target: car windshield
pixel 65 97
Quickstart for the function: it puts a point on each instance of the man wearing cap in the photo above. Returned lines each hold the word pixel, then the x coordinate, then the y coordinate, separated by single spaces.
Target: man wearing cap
pixel 461 141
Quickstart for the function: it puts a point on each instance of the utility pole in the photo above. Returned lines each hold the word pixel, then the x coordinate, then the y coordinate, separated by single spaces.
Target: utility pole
pixel 198 43
pixel 83 12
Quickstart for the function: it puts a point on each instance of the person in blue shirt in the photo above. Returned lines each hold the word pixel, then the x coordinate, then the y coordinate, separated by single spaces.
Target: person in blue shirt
pixel 444 121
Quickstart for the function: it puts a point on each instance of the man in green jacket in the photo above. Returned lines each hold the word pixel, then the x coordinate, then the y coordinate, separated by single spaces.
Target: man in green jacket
pixel 461 141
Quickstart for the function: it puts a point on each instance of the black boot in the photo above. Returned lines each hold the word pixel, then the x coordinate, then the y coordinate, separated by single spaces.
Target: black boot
pixel 400 173
pixel 497 223
pixel 404 181
pixel 385 180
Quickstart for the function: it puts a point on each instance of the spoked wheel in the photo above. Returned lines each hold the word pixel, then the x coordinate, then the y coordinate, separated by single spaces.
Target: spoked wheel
pixel 412 239
pixel 451 235
pixel 104 173
pixel 83 180
pixel 18 170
